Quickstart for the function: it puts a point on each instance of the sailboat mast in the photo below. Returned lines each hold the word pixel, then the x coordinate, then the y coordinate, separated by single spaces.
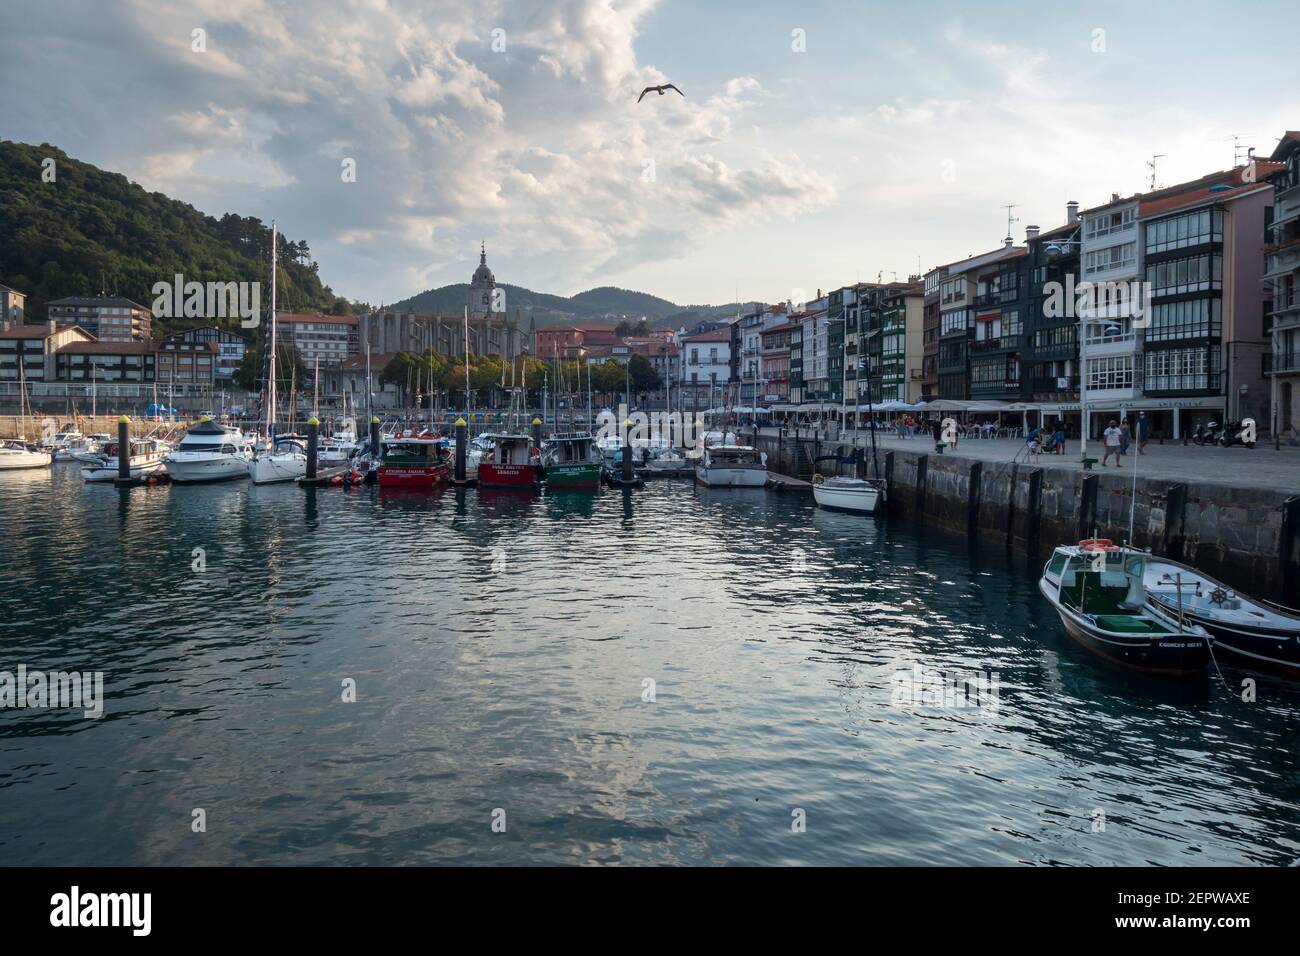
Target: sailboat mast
pixel 467 359
pixel 270 379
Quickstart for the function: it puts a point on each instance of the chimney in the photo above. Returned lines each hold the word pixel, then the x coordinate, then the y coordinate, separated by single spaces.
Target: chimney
pixel 52 326
pixel 1031 232
pixel 1071 212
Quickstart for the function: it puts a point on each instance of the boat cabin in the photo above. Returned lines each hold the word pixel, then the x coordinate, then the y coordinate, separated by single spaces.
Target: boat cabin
pixel 511 449
pixel 1104 584
pixel 412 452
pixel 576 448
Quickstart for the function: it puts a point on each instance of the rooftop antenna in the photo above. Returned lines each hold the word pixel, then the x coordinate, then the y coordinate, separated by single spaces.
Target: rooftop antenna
pixel 1151 165
pixel 1011 221
pixel 1237 147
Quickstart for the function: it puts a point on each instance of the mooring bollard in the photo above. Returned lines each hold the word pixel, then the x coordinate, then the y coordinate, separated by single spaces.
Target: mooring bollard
pixel 462 441
pixel 124 449
pixel 374 439
pixel 313 444
pixel 627 450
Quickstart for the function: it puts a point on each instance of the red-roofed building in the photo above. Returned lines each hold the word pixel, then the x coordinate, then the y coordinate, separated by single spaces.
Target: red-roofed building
pixel 32 348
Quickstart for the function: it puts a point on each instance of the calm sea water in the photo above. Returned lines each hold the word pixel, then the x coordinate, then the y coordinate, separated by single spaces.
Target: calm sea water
pixel 500 647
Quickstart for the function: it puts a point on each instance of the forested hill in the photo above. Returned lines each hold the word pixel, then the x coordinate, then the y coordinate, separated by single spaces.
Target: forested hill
pixel 92 231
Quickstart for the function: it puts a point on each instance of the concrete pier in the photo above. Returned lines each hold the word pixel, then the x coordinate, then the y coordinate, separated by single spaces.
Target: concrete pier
pixel 1232 512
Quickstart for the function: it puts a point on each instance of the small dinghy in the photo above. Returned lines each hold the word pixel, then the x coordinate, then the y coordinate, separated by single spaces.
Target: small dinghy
pixel 1252 632
pixel 1097 589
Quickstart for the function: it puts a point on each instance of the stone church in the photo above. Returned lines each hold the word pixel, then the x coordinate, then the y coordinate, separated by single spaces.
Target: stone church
pixel 491 330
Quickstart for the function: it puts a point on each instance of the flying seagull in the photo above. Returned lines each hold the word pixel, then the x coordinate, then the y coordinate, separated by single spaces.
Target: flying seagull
pixel 657 89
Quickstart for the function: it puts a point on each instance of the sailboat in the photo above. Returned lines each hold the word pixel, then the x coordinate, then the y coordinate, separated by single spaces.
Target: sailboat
pixel 16 453
pixel 843 492
pixel 283 459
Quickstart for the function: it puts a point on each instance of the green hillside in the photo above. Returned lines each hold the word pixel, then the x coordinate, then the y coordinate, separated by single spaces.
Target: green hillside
pixel 92 231
pixel 598 304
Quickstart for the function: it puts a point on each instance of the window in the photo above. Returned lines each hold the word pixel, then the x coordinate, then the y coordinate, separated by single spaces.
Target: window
pixel 958 320
pixel 1197 318
pixel 1108 223
pixel 1189 229
pixel 1122 256
pixel 1114 371
pixel 1194 274
pixel 1182 369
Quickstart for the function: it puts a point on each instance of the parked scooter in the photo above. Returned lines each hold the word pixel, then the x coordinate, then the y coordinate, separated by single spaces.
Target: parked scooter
pixel 1238 433
pixel 1207 434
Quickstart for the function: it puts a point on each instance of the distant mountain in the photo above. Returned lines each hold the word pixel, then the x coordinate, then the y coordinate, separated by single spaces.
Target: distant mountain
pixel 92 231
pixel 602 304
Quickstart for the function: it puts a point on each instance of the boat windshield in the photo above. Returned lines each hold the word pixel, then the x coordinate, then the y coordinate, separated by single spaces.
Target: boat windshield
pixel 1103 582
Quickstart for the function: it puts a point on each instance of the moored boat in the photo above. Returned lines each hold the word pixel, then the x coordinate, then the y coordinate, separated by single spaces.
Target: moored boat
pixel 16 454
pixel 572 462
pixel 1097 590
pixel 416 463
pixel 515 462
pixel 146 458
pixel 731 466
pixel 1251 633
pixel 284 460
pixel 840 493
pixel 209 452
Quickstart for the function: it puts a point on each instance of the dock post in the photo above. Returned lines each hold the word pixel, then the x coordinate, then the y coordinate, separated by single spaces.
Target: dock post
pixel 922 468
pixel 462 442
pixel 1171 541
pixel 124 450
pixel 628 473
pixel 313 444
pixel 374 439
pixel 1289 551
pixel 1087 506
pixel 973 491
pixel 1033 511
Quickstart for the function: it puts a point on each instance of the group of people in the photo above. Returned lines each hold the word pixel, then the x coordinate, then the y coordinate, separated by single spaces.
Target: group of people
pixel 1118 434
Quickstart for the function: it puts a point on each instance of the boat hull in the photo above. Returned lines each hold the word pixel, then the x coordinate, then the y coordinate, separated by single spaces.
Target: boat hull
pixel 713 477
pixel 492 475
pixel 413 478
pixel 1261 649
pixel 269 469
pixel 22 460
pixel 108 470
pixel 1167 655
pixel 860 501
pixel 196 469
pixel 581 475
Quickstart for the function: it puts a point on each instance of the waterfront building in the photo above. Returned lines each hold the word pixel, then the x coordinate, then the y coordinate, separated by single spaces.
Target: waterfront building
pixel 659 349
pixel 706 366
pixel 13 306
pixel 749 357
pixel 1110 352
pixel 1283 274
pixel 1202 347
pixel 575 340
pixel 902 317
pixel 107 318
pixel 930 334
pixel 33 347
pixel 775 371
pixel 813 335
pixel 345 385
pixel 796 357
pixel 1051 326
pixel 841 309
pixel 998 340
pixel 327 339
pixel 230 347
pixel 186 361
pixel 83 362
pixel 968 282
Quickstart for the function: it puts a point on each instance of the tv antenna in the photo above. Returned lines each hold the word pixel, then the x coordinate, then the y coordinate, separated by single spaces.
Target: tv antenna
pixel 1151 165
pixel 1237 147
pixel 1011 220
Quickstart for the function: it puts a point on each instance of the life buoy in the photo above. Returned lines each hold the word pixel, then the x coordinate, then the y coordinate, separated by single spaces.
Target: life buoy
pixel 1098 544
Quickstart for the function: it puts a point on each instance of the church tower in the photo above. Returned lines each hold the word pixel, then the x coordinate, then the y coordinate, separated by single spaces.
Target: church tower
pixel 482 289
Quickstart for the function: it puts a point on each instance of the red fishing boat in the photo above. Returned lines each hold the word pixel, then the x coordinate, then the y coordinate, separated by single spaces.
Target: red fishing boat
pixel 418 463
pixel 515 462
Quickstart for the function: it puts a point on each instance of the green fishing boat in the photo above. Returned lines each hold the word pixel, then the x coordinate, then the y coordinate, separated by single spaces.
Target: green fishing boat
pixel 572 462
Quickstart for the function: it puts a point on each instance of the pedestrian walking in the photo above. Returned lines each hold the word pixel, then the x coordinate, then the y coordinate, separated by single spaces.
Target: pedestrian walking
pixel 1110 443
pixel 1059 446
pixel 1123 436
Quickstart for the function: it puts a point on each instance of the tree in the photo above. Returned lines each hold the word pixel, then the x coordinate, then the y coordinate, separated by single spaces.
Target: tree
pixel 643 374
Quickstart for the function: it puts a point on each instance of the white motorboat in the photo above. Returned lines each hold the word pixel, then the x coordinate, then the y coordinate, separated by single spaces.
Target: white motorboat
pixel 286 460
pixel 146 459
pixel 73 448
pixel 669 459
pixel 1254 633
pixel 848 494
pixel 732 466
pixel 61 440
pixel 16 454
pixel 339 447
pixel 209 452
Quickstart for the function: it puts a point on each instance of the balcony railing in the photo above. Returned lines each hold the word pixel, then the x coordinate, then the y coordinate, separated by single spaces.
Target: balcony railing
pixel 993 345
pixel 1281 362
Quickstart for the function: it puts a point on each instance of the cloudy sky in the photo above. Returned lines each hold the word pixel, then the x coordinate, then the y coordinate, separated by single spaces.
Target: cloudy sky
pixel 818 143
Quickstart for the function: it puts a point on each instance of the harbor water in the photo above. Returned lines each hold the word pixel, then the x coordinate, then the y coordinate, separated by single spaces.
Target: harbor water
pixel 666 675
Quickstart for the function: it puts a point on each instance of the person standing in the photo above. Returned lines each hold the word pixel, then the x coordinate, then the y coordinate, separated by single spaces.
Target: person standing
pixel 1144 432
pixel 1111 443
pixel 1059 445
pixel 1123 435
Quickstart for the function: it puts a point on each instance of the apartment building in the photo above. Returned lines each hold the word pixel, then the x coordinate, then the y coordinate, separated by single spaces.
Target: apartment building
pixel 13 306
pixel 27 351
pixel 1052 328
pixel 930 334
pixel 107 318
pixel 327 339
pixel 1283 275
pixel 706 365
pixel 230 347
pixel 776 362
pixel 999 339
